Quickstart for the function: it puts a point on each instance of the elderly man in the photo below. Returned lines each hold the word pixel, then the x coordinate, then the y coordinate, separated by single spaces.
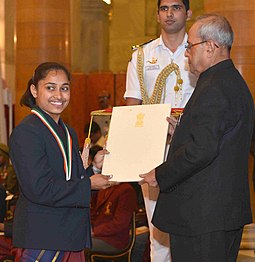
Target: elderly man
pixel 204 192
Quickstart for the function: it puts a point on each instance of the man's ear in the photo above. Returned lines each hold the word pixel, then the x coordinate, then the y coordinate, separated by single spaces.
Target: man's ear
pixel 33 91
pixel 212 44
pixel 210 48
pixel 189 14
pixel 158 17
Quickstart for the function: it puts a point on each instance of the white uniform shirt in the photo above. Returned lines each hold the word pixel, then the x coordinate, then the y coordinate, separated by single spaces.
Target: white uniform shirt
pixel 157 51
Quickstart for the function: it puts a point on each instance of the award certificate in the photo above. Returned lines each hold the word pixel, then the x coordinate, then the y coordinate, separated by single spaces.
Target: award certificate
pixel 136 141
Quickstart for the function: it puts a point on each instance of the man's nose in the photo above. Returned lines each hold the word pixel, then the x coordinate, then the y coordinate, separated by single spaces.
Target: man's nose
pixel 170 12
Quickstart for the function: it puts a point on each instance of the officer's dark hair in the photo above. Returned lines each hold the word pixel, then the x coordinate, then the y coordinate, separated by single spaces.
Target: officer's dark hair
pixel 40 73
pixel 185 2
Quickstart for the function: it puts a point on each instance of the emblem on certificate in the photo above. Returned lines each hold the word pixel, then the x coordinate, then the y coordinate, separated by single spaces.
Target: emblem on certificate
pixel 139 120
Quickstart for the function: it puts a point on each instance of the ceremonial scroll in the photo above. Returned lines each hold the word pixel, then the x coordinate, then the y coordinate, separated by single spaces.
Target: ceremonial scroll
pixel 136 141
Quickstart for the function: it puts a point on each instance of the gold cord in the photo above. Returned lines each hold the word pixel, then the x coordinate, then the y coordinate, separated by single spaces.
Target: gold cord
pixel 160 84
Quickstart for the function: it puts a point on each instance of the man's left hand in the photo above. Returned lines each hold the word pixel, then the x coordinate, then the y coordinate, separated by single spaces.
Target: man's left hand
pixel 149 178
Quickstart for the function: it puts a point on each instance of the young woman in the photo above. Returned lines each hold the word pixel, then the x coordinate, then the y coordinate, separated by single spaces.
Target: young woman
pixel 52 220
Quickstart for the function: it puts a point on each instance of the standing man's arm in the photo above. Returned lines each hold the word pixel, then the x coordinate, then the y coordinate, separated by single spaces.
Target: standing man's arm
pixel 132 94
pixel 130 101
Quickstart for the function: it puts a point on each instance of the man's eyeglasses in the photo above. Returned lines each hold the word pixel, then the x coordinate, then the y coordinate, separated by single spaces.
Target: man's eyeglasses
pixel 188 46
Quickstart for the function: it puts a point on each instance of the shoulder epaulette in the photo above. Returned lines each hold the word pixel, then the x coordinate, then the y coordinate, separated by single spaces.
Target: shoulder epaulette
pixel 135 47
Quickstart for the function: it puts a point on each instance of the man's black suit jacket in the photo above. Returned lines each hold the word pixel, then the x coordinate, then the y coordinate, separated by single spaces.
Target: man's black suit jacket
pixel 204 182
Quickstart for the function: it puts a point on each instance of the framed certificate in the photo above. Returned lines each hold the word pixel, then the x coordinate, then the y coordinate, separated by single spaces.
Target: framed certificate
pixel 136 141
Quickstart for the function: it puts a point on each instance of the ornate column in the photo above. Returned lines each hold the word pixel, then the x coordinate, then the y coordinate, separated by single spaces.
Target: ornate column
pixel 242 19
pixel 94 55
pixel 42 34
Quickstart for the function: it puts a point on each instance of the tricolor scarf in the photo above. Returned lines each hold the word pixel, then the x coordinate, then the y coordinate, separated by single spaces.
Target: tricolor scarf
pixel 67 156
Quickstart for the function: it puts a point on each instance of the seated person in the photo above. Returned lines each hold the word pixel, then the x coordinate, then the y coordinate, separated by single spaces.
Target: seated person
pixel 8 180
pixel 5 225
pixel 8 177
pixel 6 228
pixel 111 214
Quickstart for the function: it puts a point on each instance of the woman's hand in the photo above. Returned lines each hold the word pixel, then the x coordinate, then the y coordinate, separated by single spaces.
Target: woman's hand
pixel 99 181
pixel 99 158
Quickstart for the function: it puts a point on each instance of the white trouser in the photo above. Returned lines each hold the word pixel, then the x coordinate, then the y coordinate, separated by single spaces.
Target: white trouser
pixel 160 247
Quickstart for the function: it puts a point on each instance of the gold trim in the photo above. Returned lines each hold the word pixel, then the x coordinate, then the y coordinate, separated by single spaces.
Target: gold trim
pixel 56 256
pixel 40 255
pixel 101 113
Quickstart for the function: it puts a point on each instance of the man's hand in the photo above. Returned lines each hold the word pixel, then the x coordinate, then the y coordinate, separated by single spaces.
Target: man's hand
pixel 149 178
pixel 172 124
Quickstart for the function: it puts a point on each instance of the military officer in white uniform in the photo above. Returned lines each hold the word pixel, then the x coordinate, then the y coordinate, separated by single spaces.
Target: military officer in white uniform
pixel 159 73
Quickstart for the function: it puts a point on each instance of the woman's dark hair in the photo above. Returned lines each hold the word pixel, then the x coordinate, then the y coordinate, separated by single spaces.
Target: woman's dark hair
pixel 185 2
pixel 40 73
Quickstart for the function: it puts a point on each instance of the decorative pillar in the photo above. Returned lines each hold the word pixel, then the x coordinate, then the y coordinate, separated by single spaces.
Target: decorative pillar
pixel 241 17
pixel 42 34
pixel 94 55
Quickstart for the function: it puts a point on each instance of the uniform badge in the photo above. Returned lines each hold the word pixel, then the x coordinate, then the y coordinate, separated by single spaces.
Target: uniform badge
pixel 153 60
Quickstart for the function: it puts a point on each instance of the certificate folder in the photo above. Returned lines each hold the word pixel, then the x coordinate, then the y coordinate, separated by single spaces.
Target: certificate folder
pixel 136 141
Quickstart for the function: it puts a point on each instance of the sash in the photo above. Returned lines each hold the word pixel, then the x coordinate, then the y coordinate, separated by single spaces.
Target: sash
pixel 66 157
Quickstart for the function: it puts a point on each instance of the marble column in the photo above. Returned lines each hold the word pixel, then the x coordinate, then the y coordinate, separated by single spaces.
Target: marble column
pixel 42 34
pixel 94 47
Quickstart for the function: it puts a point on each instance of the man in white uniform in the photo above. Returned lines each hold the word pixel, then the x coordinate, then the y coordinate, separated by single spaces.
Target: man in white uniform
pixel 152 77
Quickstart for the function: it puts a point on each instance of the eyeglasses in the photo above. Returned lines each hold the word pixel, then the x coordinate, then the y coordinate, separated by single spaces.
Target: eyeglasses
pixel 188 46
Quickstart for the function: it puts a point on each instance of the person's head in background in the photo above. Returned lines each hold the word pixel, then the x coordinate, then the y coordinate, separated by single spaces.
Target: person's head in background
pixel 104 99
pixel 95 132
pixel 172 15
pixel 49 89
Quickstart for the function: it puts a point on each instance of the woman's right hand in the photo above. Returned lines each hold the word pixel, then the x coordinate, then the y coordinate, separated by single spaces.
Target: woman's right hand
pixel 99 181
